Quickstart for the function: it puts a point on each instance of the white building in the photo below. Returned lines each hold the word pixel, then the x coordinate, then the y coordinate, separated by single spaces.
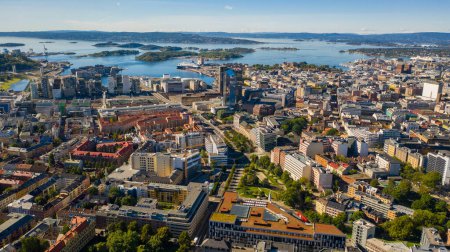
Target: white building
pixel 362 148
pixel 217 150
pixel 159 164
pixel 431 90
pixel 311 148
pixel 362 231
pixel 126 88
pixel 298 165
pixel 340 148
pixel 440 162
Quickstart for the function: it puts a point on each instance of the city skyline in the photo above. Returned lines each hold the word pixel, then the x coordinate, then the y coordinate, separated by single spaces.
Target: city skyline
pixel 227 16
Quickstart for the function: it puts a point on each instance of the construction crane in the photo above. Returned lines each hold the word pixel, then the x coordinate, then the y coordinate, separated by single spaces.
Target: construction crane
pixel 45 52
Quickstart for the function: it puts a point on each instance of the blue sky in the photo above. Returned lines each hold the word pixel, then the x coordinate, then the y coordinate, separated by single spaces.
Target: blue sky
pixel 356 16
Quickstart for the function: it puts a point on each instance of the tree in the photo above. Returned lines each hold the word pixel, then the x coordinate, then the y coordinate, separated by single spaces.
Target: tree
pixel 33 244
pixel 399 228
pixel 65 229
pixel 253 158
pixel 93 190
pixel 99 247
pixel 51 160
pixel 128 201
pixel 285 177
pixel 374 183
pixel 357 215
pixel 264 162
pixel 339 220
pixel 332 132
pixel 265 183
pixel 146 233
pixel 278 171
pixel 114 193
pixel 426 202
pixel 184 242
pixel 133 226
pixel 431 180
pixel 160 241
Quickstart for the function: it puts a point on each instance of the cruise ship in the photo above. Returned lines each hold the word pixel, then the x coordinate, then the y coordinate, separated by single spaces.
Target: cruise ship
pixel 184 65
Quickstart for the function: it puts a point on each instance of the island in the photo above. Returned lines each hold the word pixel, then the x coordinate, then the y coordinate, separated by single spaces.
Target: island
pixel 46 42
pixel 170 48
pixel 131 45
pixel 223 54
pixel 12 44
pixel 162 56
pixel 150 47
pixel 212 54
pixel 106 44
pixel 73 42
pixel 279 48
pixel 192 48
pixel 111 53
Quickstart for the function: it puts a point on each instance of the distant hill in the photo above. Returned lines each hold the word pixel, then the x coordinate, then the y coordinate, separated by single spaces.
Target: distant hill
pixel 437 38
pixel 153 37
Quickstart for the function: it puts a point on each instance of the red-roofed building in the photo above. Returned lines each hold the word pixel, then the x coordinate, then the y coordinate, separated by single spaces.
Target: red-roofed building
pixel 114 153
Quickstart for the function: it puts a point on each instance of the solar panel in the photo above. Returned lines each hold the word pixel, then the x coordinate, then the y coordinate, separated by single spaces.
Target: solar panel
pixel 268 216
pixel 240 211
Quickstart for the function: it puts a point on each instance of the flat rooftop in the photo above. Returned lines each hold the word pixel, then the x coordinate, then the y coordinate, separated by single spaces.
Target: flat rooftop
pixel 267 216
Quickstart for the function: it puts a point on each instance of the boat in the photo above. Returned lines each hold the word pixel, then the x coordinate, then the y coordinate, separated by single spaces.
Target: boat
pixel 185 65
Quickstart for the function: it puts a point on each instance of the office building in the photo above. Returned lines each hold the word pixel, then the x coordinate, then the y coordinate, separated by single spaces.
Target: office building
pixel 230 86
pixel 248 222
pixel 158 164
pixel 378 245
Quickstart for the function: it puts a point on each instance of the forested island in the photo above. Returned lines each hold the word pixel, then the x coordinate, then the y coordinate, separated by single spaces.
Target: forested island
pixel 131 45
pixel 161 56
pixel 150 47
pixel 222 54
pixel 279 48
pixel 106 44
pixel 21 62
pixel 398 52
pixel 12 44
pixel 215 54
pixel 112 53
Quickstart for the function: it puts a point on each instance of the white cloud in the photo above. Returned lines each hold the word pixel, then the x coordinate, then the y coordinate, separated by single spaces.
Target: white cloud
pixel 228 7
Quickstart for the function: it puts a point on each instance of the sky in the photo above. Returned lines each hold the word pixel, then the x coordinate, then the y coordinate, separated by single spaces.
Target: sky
pixel 319 16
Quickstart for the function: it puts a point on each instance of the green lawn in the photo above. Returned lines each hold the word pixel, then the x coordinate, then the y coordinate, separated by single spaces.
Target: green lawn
pixel 253 192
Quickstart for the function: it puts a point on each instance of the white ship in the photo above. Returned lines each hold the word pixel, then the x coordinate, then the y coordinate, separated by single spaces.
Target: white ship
pixel 184 65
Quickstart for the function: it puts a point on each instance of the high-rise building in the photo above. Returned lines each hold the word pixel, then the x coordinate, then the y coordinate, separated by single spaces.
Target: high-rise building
pixel 440 162
pixel 34 90
pixel 45 91
pixel 362 148
pixel 69 86
pixel 362 231
pixel 126 88
pixel 56 88
pixel 230 86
